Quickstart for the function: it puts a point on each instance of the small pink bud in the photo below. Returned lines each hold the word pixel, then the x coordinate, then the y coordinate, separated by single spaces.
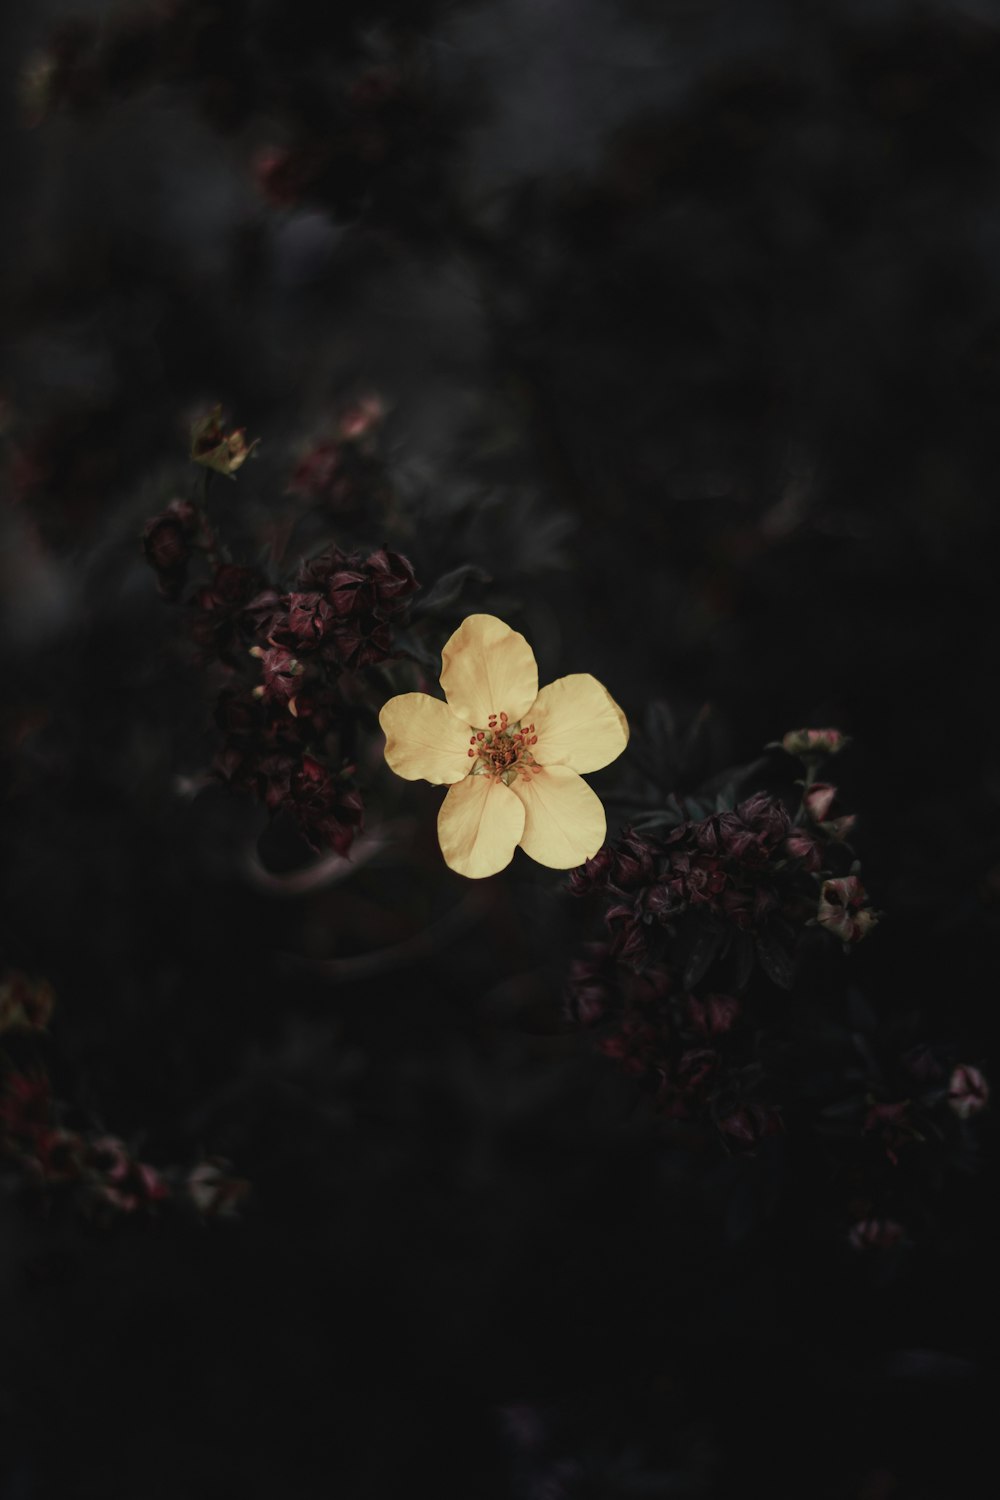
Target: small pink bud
pixel 819 799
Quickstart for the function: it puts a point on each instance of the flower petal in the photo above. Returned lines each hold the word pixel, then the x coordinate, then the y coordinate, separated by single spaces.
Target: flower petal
pixel 577 724
pixel 487 668
pixel 424 739
pixel 479 825
pixel 564 821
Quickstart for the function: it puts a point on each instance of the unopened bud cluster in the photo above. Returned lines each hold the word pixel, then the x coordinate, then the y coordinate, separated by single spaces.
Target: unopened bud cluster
pixel 59 1160
pixel 287 725
pixel 706 990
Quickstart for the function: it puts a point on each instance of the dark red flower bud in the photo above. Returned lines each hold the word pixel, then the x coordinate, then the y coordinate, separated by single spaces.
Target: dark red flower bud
pixel 168 541
pixel 708 835
pixel 393 578
pixel 628 938
pixel 695 1068
pixel 766 817
pixel 638 1046
pixel 715 1015
pixel 274 778
pixel 281 672
pixel 363 642
pixel 893 1123
pixel 315 574
pixel 633 862
pixel 592 874
pixel 309 619
pixel 220 609
pixel 263 612
pixel 666 899
pixel 329 810
pixel 349 592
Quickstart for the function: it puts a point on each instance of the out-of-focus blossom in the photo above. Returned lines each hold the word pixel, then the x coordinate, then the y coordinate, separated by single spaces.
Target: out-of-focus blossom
pixel 25 1105
pixel 744 1128
pixel 25 1004
pixel 875 1234
pixel 36 86
pixel 515 779
pixel 715 1015
pixel 169 541
pixel 811 744
pixel 361 418
pixel 282 173
pixel 844 910
pixel 893 1123
pixel 116 1180
pixel 968 1091
pixel 219 609
pixel 213 1189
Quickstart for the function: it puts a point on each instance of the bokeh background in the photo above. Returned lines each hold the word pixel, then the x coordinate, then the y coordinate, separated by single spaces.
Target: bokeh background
pixel 686 322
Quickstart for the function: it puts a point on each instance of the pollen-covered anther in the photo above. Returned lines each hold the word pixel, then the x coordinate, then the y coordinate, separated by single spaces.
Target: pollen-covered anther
pixel 502 750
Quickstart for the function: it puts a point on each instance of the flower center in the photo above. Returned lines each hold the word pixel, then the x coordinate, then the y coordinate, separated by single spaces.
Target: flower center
pixel 503 750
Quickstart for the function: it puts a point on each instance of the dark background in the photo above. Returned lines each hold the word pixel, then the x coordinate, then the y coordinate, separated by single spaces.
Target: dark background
pixel 687 319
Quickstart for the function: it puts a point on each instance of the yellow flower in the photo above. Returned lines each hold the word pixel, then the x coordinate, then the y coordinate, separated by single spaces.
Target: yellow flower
pixel 511 755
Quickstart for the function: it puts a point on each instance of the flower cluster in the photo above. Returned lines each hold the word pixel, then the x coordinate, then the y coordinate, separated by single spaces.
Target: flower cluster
pixel 285 713
pixel 97 1171
pixel 735 880
pixel 709 910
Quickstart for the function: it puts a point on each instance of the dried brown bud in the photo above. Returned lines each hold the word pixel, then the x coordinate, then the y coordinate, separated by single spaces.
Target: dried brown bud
pixel 216 449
